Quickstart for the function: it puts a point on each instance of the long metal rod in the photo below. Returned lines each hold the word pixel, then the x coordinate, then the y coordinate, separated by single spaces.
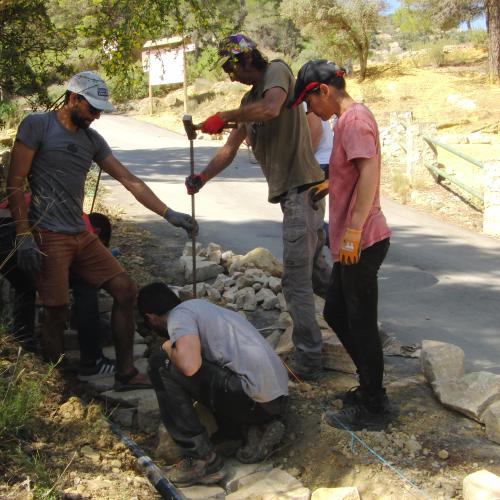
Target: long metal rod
pixel 96 188
pixel 193 214
pixel 456 152
pixel 162 485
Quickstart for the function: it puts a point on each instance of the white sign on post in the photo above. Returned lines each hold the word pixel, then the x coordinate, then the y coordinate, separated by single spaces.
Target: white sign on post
pixel 165 65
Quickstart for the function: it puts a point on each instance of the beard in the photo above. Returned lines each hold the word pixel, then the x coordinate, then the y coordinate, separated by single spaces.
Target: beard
pixel 78 120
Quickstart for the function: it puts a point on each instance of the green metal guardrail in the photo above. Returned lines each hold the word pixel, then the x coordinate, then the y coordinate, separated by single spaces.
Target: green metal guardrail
pixel 433 143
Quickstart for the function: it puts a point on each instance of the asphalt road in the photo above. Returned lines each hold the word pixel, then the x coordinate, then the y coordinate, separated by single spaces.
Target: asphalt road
pixel 439 281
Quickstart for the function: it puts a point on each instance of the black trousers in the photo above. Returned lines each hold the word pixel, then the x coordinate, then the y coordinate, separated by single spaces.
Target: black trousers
pixel 86 300
pixel 23 284
pixel 351 311
pixel 217 388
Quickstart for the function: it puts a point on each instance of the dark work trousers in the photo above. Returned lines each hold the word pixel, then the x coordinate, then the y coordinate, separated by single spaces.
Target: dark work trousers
pixel 23 324
pixel 351 311
pixel 218 388
pixel 88 324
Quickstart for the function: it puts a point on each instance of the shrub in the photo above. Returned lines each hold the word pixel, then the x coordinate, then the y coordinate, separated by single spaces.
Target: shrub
pixel 10 114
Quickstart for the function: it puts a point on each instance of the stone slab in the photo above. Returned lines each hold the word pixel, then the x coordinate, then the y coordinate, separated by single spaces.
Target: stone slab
pixel 129 398
pixel 345 493
pixel 481 485
pixel 200 492
pixel 470 394
pixel 261 485
pixel 441 361
pixel 334 355
pixel 124 416
pixel 491 419
pixel 148 415
pixel 236 471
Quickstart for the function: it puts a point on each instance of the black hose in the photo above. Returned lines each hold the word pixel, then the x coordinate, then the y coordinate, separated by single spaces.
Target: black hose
pixel 164 487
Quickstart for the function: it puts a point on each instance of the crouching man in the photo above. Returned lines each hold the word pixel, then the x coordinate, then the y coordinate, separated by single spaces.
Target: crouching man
pixel 217 357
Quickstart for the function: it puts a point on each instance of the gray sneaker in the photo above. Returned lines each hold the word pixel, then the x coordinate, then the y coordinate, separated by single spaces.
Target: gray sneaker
pixel 104 367
pixel 191 470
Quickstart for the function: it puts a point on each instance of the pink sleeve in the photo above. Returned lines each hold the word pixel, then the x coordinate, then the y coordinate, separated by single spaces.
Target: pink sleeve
pixel 359 139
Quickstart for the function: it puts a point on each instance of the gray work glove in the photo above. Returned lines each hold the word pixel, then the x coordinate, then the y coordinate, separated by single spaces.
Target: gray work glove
pixel 178 219
pixel 29 257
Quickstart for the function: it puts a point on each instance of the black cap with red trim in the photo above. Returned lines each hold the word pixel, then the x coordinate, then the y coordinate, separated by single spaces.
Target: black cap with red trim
pixel 311 75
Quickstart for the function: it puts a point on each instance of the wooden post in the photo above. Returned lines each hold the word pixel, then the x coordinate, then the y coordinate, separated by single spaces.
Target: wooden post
pixel 150 97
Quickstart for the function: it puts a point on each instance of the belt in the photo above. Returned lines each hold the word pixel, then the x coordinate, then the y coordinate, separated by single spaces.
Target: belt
pixel 305 187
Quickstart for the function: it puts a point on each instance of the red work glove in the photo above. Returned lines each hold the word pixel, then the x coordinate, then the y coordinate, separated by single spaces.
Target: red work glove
pixel 213 124
pixel 350 247
pixel 195 182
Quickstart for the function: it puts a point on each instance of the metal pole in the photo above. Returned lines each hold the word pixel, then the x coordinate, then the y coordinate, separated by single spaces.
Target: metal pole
pixel 193 214
pixel 96 188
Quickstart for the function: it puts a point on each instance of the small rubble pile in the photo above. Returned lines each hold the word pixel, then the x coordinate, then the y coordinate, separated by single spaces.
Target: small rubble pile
pixel 476 395
pixel 242 282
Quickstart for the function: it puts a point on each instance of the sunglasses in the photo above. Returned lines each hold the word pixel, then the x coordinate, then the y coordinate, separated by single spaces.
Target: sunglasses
pixel 92 109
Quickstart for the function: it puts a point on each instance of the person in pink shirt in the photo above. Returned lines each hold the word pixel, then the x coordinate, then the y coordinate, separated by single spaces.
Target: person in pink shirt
pixel 359 239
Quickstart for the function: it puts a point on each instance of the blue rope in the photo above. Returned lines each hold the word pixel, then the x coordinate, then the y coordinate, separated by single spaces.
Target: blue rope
pixel 355 438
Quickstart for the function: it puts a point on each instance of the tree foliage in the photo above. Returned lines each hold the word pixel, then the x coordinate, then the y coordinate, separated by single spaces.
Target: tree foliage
pixel 30 51
pixel 349 23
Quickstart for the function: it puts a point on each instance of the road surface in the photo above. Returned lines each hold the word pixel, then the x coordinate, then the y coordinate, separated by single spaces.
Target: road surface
pixel 438 282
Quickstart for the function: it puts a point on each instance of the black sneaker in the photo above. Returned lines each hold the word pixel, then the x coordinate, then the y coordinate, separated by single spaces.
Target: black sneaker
pixel 356 416
pixel 261 441
pixel 304 372
pixel 351 396
pixel 104 367
pixel 191 470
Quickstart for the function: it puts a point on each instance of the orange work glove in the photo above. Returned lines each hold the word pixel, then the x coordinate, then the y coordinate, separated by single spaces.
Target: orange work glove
pixel 213 124
pixel 350 247
pixel 317 193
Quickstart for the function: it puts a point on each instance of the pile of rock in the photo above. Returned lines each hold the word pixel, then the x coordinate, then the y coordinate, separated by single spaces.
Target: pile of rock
pixel 242 282
pixel 476 395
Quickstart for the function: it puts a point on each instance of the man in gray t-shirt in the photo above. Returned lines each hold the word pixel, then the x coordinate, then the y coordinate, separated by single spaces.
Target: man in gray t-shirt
pixel 215 356
pixel 54 152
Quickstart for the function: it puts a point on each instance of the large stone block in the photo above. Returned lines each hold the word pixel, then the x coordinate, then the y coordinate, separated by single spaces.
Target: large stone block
pixel 470 394
pixel 441 361
pixel 205 269
pixel 260 258
pixel 491 419
pixel 261 485
pixel 481 485
pixel 346 493
pixel 334 355
pixel 148 415
pixel 200 492
pixel 237 471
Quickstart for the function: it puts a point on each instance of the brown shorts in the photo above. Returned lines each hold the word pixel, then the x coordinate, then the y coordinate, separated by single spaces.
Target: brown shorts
pixel 86 256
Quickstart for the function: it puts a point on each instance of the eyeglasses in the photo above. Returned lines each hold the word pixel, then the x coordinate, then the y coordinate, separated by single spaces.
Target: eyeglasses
pixel 92 109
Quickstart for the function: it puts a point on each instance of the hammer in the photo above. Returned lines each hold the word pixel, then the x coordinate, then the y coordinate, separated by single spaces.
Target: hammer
pixel 190 129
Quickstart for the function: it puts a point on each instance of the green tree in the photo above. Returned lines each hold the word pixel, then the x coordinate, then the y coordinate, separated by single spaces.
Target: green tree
pixel 30 51
pixel 349 23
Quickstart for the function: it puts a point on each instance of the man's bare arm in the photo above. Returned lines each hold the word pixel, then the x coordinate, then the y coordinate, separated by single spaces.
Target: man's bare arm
pixel 225 155
pixel 264 109
pixel 142 193
pixel 20 165
pixel 186 354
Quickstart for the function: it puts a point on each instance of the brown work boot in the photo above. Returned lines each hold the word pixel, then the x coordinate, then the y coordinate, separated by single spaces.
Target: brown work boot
pixel 191 470
pixel 261 440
